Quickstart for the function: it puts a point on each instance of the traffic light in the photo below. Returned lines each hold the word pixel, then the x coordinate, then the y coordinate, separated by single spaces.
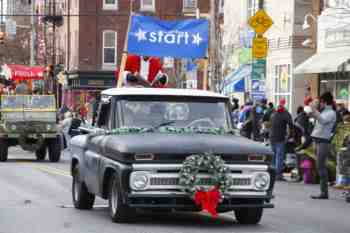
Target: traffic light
pixel 2 37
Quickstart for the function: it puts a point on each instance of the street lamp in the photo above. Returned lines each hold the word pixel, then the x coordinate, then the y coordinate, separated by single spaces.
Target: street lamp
pixel 308 42
pixel 306 25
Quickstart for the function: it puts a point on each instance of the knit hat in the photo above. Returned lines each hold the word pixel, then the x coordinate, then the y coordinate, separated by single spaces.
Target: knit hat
pixel 282 102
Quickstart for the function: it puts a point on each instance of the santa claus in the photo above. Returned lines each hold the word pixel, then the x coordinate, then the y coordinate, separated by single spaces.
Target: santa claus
pixel 144 71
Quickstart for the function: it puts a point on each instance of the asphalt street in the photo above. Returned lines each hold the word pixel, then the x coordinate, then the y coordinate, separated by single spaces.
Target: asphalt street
pixel 35 197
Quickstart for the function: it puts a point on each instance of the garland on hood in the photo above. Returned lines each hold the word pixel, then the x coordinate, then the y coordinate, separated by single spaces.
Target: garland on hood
pixel 219 182
pixel 167 129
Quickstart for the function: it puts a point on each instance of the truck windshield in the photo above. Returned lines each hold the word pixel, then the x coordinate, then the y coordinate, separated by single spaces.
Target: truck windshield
pixel 17 102
pixel 181 114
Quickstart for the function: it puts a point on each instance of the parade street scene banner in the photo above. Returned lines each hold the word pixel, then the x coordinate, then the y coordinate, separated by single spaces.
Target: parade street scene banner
pixel 149 36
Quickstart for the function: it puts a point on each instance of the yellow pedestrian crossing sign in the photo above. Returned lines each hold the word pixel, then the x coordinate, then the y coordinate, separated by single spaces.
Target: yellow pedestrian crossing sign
pixel 260 22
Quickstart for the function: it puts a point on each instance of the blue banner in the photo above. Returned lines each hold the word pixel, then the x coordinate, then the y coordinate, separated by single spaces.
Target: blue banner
pixel 149 36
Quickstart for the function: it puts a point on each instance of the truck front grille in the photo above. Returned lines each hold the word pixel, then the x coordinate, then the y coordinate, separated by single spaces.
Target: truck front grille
pixel 158 181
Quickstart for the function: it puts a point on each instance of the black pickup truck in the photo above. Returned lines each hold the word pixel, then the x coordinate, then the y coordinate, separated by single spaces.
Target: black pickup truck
pixel 134 153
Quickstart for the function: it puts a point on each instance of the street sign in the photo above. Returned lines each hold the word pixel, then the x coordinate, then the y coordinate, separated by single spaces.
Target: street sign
pixel 257 96
pixel 260 22
pixel 259 69
pixel 11 27
pixel 260 47
pixel 258 86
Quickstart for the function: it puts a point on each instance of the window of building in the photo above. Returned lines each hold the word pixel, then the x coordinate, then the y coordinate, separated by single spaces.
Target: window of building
pixel 148 5
pixel 221 7
pixel 283 84
pixel 189 5
pixel 109 49
pixel 110 4
pixel 253 6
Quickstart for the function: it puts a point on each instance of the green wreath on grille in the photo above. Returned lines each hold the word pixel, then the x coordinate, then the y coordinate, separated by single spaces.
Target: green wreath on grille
pixel 215 166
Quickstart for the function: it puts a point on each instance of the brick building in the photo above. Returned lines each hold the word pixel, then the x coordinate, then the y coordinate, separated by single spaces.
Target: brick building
pixel 92 38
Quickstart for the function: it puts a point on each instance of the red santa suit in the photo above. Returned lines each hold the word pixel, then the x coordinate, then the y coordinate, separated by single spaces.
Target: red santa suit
pixel 147 69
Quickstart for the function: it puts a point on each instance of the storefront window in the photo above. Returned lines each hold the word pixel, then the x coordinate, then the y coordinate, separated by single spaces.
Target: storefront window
pixel 283 84
pixel 338 84
pixel 342 90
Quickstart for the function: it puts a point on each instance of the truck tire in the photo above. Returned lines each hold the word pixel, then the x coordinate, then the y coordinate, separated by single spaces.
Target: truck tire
pixel 119 211
pixel 3 150
pixel 54 146
pixel 82 198
pixel 41 153
pixel 249 216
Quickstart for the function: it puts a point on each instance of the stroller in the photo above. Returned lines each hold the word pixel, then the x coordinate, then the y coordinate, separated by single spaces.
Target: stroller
pixel 292 161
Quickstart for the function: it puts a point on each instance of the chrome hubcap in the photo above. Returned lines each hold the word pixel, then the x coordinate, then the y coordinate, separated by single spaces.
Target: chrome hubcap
pixel 114 199
pixel 76 188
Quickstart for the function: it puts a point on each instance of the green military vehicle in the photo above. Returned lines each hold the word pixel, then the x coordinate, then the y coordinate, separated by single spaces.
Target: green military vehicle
pixel 29 121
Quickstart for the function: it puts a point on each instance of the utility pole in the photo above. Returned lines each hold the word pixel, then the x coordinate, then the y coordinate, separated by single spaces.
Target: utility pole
pixel 68 35
pixel 45 33
pixel 213 45
pixel 2 11
pixel 261 4
pixel 33 35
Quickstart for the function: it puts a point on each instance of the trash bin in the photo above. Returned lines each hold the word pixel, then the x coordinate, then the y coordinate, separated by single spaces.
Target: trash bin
pixel 307 166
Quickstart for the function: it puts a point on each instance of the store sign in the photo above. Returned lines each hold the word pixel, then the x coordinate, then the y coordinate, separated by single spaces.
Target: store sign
pixel 338 4
pixel 337 37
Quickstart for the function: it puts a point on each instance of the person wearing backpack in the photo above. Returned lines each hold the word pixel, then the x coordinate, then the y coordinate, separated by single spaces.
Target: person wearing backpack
pixel 322 134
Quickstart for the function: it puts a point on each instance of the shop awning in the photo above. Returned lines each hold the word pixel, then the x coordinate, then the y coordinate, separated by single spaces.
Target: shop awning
pixel 22 72
pixel 235 81
pixel 325 62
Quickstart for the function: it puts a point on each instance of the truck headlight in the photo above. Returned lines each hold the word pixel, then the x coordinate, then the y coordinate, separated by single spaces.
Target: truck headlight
pixel 48 127
pixel 139 180
pixel 262 181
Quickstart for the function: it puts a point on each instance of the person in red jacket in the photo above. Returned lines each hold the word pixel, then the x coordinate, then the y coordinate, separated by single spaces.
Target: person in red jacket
pixel 145 71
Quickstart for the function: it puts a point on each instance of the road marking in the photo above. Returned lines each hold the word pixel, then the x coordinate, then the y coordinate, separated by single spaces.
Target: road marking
pixel 53 171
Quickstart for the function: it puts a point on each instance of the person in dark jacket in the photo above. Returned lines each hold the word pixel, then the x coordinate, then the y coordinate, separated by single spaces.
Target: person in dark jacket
pixel 268 112
pixel 281 120
pixel 303 128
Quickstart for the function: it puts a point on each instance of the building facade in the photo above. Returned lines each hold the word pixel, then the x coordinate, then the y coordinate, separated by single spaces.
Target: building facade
pixel 91 39
pixel 331 61
pixel 287 47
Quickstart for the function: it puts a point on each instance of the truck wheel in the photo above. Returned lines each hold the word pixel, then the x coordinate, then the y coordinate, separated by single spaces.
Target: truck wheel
pixel 249 216
pixel 3 150
pixel 41 153
pixel 54 146
pixel 82 199
pixel 119 211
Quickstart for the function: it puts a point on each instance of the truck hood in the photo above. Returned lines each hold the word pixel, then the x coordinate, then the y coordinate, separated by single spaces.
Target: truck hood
pixel 160 143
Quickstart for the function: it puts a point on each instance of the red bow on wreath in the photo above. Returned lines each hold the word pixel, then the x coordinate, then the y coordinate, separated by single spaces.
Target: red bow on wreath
pixel 208 200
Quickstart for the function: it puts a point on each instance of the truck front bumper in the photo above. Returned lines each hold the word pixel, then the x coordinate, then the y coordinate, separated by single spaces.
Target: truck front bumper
pixel 181 201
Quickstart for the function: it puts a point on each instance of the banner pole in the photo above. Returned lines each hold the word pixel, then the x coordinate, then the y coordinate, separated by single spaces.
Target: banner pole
pixel 205 68
pixel 205 75
pixel 125 51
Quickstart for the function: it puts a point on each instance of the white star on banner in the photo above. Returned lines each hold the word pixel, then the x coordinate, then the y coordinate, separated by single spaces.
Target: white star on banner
pixel 197 39
pixel 141 35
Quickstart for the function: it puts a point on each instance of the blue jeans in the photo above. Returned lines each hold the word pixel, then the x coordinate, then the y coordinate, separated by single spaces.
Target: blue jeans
pixel 278 149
